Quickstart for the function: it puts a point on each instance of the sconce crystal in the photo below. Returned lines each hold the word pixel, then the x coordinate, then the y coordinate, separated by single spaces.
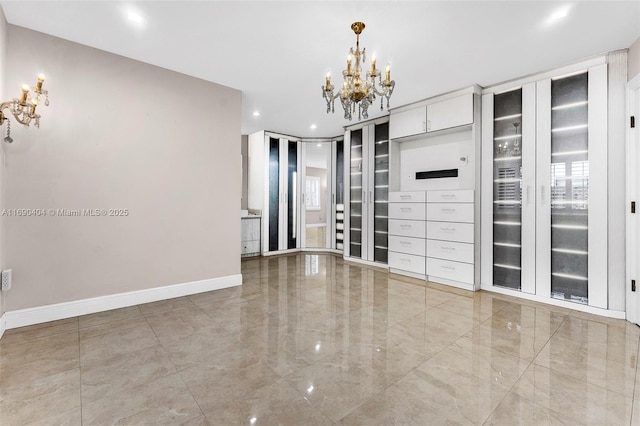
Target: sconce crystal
pixel 23 109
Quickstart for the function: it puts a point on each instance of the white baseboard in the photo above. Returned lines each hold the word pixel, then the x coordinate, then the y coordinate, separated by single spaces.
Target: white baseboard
pixel 2 325
pixel 556 302
pixel 40 314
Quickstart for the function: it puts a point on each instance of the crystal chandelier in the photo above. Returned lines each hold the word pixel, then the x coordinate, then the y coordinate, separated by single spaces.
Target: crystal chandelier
pixel 24 108
pixel 357 90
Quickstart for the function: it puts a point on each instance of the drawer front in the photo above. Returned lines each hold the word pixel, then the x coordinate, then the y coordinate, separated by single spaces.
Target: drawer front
pixel 459 252
pixel 447 231
pixel 407 245
pixel 408 197
pixel 411 211
pixel 455 271
pixel 251 246
pixel 407 228
pixel 407 262
pixel 458 196
pixel 450 212
pixel 250 229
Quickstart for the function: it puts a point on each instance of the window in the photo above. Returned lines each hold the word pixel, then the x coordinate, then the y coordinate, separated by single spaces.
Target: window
pixel 312 193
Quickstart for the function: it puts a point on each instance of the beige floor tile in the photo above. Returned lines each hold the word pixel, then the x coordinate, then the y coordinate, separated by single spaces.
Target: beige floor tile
pixel 98 318
pixel 478 308
pixel 163 306
pixel 42 397
pixel 165 401
pixel 514 410
pixel 118 342
pixel 577 399
pixel 109 377
pixel 37 331
pixel 182 321
pixel 109 327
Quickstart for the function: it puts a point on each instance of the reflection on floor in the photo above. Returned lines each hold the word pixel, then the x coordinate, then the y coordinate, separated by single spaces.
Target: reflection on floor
pixel 316 236
pixel 312 340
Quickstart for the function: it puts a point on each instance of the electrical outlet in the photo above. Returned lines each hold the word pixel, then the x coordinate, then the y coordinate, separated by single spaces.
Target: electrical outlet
pixel 6 279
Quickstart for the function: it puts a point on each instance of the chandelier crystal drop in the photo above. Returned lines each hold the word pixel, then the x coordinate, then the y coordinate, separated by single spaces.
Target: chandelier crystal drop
pixel 357 89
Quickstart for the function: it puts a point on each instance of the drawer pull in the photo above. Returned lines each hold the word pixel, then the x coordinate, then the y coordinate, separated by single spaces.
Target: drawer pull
pixel 405 260
pixel 405 226
pixel 405 243
pixel 448 210
pixel 447 229
pixel 448 196
pixel 405 209
pixel 448 248
pixel 405 197
pixel 451 268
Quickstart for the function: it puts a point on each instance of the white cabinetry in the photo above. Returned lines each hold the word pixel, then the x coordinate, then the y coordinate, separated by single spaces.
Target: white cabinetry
pixel 450 238
pixel 408 123
pixel 450 113
pixel 544 187
pixel 407 244
pixel 433 116
pixel 250 236
pixel 367 168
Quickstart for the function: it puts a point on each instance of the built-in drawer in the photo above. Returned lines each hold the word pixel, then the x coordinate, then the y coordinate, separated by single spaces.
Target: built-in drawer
pixel 447 231
pixel 408 245
pixel 460 252
pixel 250 247
pixel 455 271
pixel 457 196
pixel 407 262
pixel 411 211
pixel 407 228
pixel 450 212
pixel 408 197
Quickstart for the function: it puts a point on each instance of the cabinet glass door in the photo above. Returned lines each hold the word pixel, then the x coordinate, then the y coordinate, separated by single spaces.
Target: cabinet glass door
pixel 339 195
pixel 507 189
pixel 570 188
pixel 355 200
pixel 381 193
pixel 292 201
pixel 274 192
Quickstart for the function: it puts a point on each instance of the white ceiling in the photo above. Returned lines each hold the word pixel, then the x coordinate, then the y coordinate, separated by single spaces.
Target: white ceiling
pixel 277 53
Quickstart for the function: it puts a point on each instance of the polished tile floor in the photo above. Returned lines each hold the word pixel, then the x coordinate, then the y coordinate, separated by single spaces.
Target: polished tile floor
pixel 311 340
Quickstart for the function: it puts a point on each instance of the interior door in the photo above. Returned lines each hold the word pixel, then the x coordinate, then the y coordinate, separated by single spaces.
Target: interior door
pixel 633 196
pixel 318 195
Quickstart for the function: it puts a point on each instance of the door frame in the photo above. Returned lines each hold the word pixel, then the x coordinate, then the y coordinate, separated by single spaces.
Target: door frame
pixel 632 147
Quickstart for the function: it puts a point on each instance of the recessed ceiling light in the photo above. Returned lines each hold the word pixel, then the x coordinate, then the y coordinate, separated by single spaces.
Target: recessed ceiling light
pixel 557 15
pixel 319 145
pixel 256 113
pixel 313 127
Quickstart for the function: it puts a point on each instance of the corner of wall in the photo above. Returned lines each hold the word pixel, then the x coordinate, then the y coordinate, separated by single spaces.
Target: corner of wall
pixel 633 60
pixel 3 70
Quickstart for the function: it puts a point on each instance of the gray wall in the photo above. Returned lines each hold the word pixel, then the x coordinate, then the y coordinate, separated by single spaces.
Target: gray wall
pixel 244 145
pixel 119 134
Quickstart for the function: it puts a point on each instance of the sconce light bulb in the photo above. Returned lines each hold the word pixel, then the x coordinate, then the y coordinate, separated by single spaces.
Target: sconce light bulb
pixel 40 78
pixel 25 88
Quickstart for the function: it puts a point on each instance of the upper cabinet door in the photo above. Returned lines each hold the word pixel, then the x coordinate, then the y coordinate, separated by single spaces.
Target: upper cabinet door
pixel 408 123
pixel 450 113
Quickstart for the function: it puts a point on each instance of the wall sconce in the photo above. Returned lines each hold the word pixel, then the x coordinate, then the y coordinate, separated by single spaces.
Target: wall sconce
pixel 24 108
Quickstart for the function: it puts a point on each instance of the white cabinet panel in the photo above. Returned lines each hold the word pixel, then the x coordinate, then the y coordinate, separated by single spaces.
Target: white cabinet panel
pixel 450 212
pixel 250 228
pixel 407 228
pixel 408 197
pixel 459 232
pixel 460 252
pixel 455 271
pixel 408 123
pixel 251 247
pixel 450 113
pixel 407 245
pixel 407 262
pixel 459 196
pixel 411 211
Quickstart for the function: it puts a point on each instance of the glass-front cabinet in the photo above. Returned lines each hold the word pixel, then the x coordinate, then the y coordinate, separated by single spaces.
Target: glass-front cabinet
pixel 544 196
pixel 367 149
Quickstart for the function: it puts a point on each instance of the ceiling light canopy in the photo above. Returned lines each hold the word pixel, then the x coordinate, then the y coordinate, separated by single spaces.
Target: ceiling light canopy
pixel 357 89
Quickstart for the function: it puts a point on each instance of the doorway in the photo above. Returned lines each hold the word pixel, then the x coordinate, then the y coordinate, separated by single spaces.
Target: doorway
pixel 317 192
pixel 633 196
